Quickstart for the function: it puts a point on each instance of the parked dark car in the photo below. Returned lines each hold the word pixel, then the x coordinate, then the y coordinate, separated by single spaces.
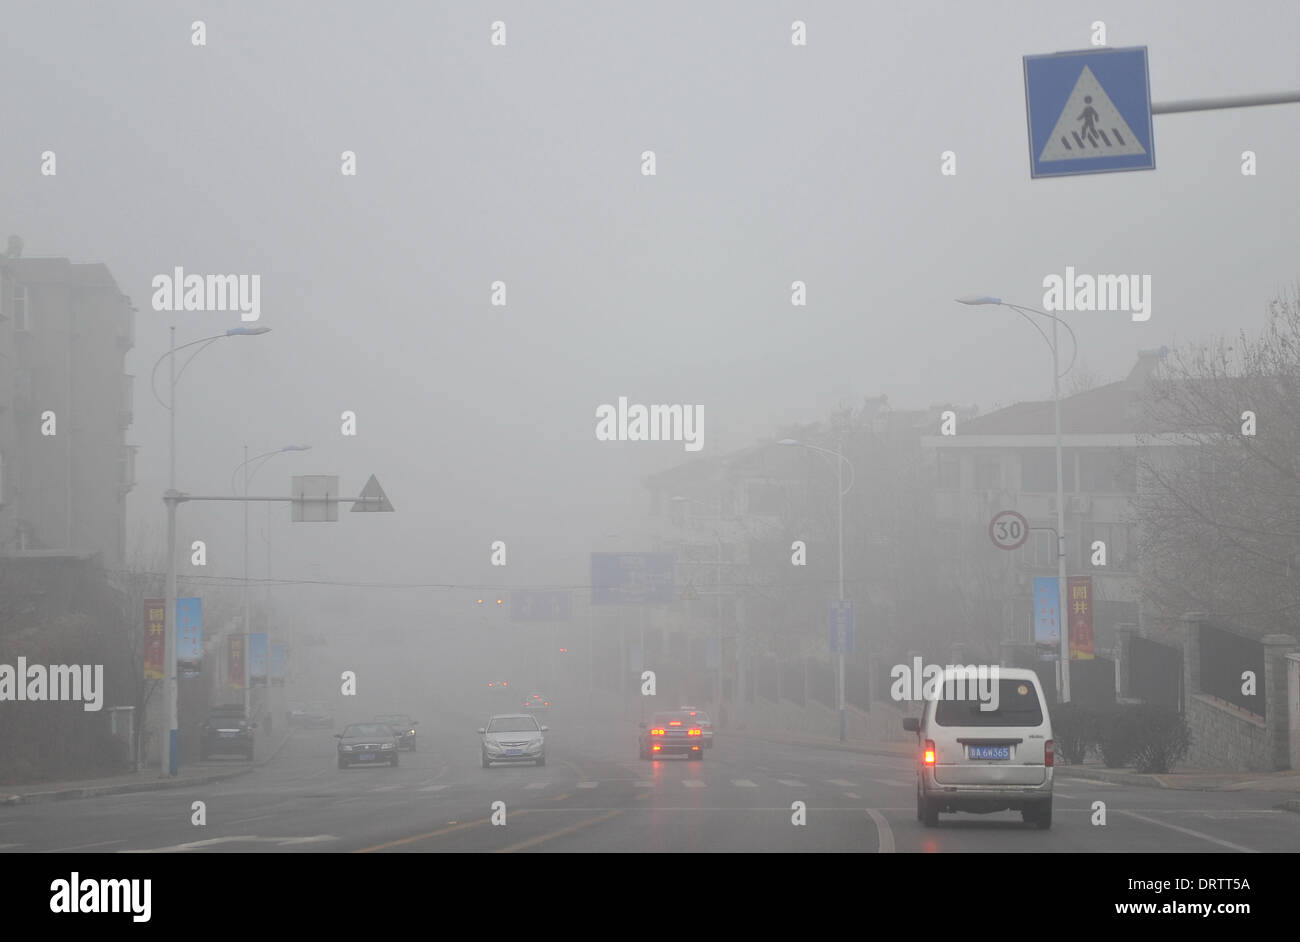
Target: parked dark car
pixel 226 731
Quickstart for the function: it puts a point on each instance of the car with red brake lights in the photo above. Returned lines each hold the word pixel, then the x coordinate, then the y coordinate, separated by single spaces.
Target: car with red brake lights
pixel 705 722
pixel 671 734
pixel 537 704
pixel 982 756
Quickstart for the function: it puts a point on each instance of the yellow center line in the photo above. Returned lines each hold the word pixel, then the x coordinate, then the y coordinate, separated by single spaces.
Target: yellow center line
pixel 560 833
pixel 422 837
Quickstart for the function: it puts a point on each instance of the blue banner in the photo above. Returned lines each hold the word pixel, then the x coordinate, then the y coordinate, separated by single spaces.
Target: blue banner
pixel 1047 613
pixel 257 658
pixel 189 630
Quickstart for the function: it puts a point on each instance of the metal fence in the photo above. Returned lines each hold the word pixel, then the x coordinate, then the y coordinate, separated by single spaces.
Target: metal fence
pixel 1156 673
pixel 1225 658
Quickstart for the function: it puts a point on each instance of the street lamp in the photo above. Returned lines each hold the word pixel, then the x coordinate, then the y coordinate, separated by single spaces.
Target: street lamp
pixel 171 742
pixel 841 491
pixel 1062 615
pixel 248 638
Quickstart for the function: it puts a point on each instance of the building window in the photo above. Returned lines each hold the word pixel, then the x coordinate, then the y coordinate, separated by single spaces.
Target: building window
pixel 1039 551
pixel 1111 471
pixel 20 308
pixel 1038 470
pixel 1117 537
pixel 949 472
pixel 988 473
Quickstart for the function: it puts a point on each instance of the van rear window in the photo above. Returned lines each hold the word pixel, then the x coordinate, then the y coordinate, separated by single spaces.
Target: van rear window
pixel 1017 705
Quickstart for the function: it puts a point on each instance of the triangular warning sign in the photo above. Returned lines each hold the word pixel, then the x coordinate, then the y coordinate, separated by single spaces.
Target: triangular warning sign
pixel 1090 126
pixel 372 498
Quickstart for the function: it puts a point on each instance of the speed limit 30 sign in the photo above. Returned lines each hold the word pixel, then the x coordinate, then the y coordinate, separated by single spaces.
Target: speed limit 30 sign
pixel 1008 530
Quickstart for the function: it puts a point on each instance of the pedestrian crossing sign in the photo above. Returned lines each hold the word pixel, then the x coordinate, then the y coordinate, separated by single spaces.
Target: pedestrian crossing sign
pixel 1089 112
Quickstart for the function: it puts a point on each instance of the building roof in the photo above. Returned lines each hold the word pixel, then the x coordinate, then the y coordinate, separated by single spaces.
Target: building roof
pixel 54 271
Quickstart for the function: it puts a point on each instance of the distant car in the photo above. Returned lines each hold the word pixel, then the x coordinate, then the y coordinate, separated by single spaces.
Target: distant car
pixel 706 724
pixel 975 759
pixel 311 716
pixel 537 704
pixel 226 731
pixel 671 734
pixel 513 737
pixel 367 744
pixel 499 686
pixel 403 728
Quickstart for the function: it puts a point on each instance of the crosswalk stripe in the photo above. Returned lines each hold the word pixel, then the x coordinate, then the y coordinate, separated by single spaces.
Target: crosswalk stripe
pixel 537 784
pixel 893 782
pixel 792 782
pixel 840 782
pixel 743 783
pixel 588 784
pixel 693 783
pixel 850 795
pixel 645 784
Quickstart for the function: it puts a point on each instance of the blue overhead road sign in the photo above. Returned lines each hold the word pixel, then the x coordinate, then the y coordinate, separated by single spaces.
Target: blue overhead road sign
pixel 632 578
pixel 1089 112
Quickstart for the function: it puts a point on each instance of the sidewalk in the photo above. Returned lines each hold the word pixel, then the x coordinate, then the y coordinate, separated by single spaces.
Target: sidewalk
pixel 1200 780
pixel 145 780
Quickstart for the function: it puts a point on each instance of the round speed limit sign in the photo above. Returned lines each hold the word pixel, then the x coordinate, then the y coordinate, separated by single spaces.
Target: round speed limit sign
pixel 1008 530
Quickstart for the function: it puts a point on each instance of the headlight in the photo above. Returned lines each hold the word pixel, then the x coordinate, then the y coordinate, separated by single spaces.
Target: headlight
pixel 535 746
pixel 388 745
pixel 411 733
pixel 343 748
pixel 490 746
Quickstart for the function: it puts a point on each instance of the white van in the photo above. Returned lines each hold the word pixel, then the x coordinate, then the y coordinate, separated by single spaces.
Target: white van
pixel 985 760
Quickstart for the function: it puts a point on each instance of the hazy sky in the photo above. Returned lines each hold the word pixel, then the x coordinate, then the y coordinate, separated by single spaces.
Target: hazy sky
pixel 523 163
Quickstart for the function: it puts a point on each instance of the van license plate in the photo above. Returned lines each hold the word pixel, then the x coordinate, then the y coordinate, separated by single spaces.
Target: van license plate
pixel 367 757
pixel 990 752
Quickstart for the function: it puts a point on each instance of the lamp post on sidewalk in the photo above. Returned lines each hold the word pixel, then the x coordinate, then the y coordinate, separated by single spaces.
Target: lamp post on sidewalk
pixel 1063 614
pixel 171 741
pixel 840 491
pixel 248 476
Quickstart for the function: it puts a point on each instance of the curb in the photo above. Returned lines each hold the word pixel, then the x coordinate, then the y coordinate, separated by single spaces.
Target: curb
pixel 95 791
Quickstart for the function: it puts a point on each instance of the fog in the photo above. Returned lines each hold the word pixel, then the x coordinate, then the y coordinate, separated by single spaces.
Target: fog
pixel 478 163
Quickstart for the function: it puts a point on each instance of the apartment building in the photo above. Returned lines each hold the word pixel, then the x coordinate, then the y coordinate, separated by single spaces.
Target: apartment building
pixel 65 405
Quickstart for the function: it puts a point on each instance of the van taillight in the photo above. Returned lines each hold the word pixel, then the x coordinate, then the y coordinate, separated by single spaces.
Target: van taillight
pixel 1048 753
pixel 928 755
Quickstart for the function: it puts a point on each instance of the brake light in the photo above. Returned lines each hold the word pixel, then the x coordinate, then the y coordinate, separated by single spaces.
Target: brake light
pixel 692 732
pixel 656 732
pixel 1049 753
pixel 674 722
pixel 655 747
pixel 928 754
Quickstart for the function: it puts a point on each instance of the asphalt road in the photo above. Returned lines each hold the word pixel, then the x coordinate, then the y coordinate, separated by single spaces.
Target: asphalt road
pixel 595 795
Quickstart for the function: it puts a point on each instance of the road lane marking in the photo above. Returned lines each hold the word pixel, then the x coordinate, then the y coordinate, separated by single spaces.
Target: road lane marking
pixel 883 830
pixel 588 784
pixel 1189 831
pixel 840 782
pixel 386 788
pixel 894 783
pixel 743 783
pixel 693 783
pixel 792 782
pixel 850 794
pixel 531 842
pixel 645 784
pixel 434 788
pixel 537 785
pixel 424 837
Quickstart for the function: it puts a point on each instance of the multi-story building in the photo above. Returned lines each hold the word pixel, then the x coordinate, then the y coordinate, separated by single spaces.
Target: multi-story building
pixel 65 405
pixel 1006 460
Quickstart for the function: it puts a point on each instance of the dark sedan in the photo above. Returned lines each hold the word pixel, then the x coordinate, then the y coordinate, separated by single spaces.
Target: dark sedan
pixel 403 728
pixel 367 744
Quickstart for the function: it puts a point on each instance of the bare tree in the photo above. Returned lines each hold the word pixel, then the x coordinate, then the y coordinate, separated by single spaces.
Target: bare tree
pixel 1219 510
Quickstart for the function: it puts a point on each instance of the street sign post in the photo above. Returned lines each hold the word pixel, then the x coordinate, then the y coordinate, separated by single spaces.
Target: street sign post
pixel 1089 112
pixel 1008 530
pixel 841 627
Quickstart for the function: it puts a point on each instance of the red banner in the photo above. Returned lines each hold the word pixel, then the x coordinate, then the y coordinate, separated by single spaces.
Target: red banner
pixel 235 661
pixel 1079 598
pixel 155 638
